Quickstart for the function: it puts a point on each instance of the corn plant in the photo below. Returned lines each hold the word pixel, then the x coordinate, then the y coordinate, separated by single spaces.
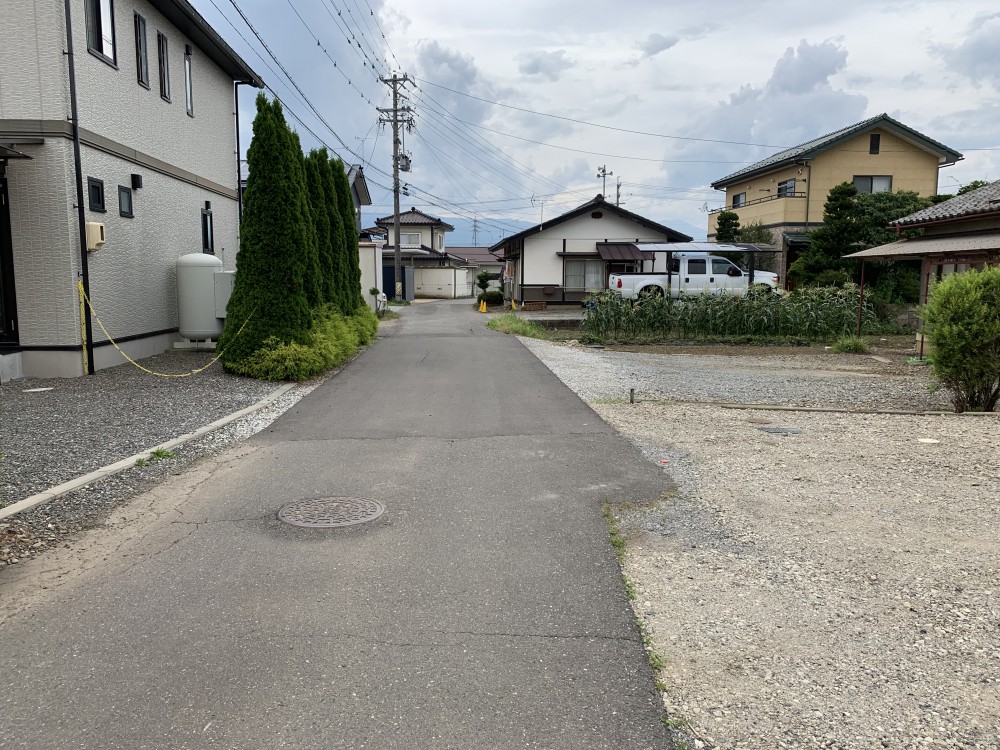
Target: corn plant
pixel 818 313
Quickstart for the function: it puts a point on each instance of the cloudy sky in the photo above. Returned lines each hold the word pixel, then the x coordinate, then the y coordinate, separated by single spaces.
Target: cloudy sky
pixel 517 105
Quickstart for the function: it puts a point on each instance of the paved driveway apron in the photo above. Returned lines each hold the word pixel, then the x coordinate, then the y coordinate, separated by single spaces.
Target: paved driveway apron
pixel 484 609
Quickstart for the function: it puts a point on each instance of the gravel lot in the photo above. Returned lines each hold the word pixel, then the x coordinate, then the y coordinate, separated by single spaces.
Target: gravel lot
pixel 834 585
pixel 52 436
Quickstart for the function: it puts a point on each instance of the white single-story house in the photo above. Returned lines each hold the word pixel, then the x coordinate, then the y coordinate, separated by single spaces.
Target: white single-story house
pixel 564 259
pixel 118 151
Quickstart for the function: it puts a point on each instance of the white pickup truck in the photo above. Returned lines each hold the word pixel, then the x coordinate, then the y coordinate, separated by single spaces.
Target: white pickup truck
pixel 691 273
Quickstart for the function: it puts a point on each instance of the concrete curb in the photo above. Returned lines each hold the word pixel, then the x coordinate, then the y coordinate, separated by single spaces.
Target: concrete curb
pixel 106 471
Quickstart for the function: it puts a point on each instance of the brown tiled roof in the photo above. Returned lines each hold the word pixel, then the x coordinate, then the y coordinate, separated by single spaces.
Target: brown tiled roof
pixel 413 216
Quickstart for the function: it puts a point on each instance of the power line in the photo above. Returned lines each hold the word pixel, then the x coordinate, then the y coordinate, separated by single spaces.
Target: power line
pixel 594 124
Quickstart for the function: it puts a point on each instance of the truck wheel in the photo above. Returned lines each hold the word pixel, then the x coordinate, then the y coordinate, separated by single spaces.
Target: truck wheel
pixel 651 291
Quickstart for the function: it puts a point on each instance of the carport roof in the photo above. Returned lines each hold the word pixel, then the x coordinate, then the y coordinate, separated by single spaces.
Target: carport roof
pixel 621 251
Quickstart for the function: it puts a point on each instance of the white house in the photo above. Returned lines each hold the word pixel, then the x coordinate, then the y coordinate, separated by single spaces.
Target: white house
pixel 564 259
pixel 146 162
pixel 437 272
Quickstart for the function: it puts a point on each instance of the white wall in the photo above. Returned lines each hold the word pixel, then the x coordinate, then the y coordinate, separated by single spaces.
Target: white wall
pixel 442 283
pixel 370 257
pixel 581 235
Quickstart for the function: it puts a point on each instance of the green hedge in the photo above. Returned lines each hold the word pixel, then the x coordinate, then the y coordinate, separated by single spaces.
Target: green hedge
pixel 333 339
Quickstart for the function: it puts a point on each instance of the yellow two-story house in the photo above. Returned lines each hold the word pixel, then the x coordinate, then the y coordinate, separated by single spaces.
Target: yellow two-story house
pixel 786 192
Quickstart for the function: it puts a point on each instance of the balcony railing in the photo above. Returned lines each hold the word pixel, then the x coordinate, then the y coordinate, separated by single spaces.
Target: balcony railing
pixel 758 201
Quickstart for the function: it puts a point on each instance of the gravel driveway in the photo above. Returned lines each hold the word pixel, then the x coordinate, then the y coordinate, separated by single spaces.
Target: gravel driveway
pixel 831 583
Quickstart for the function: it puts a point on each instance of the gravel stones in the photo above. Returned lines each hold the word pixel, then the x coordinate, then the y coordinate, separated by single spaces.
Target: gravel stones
pixel 833 588
pixel 82 424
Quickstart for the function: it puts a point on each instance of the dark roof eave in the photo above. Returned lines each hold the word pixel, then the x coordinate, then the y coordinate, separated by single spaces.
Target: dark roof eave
pixel 183 15
pixel 946 156
pixel 589 206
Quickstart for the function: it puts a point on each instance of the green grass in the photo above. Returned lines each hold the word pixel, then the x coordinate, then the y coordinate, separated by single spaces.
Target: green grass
pixel 851 345
pixel 161 454
pixel 510 323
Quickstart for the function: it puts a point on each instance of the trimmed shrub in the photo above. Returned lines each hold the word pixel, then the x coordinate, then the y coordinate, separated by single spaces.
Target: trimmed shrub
pixel 962 322
pixel 333 339
pixel 492 298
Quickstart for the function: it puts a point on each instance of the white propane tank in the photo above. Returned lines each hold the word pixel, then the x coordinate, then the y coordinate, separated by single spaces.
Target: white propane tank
pixel 196 296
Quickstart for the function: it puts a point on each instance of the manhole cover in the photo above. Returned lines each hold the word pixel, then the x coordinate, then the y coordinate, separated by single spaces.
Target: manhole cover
pixel 330 512
pixel 781 430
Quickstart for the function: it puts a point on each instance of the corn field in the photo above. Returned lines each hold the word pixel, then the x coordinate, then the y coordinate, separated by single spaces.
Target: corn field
pixel 813 314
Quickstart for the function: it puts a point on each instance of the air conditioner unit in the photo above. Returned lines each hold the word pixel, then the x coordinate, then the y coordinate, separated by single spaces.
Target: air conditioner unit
pixel 95 236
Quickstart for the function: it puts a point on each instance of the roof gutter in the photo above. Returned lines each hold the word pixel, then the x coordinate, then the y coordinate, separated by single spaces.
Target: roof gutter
pixel 88 339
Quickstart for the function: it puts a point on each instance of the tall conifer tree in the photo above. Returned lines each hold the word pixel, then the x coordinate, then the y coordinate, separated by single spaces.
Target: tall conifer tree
pixel 321 220
pixel 269 298
pixel 346 205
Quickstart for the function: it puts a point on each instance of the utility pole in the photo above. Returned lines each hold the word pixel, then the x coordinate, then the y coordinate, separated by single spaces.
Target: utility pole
pixel 604 174
pixel 475 231
pixel 397 116
pixel 618 192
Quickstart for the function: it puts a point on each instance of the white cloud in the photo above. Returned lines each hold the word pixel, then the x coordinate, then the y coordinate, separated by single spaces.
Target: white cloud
pixel 546 64
pixel 656 43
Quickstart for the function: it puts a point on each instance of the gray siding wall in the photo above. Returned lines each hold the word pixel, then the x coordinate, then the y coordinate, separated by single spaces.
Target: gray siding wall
pixel 133 280
pixel 34 84
pixel 114 105
pixel 44 233
pixel 133 277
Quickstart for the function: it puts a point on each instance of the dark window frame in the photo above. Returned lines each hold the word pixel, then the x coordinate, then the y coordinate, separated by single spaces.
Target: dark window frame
pixel 207 231
pixel 739 199
pixel 122 211
pixel 163 61
pixel 141 51
pixel 696 263
pixel 188 80
pixel 94 20
pixel 786 187
pixel 874 143
pixel 99 204
pixel 871 183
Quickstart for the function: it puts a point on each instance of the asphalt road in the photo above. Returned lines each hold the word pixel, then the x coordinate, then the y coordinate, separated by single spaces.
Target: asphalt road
pixel 484 609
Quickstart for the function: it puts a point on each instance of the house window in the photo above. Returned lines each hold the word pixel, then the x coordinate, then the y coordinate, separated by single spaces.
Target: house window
pixel 786 188
pixel 406 238
pixel 188 90
pixel 141 51
pixel 207 230
pixel 873 183
pixel 740 199
pixel 100 16
pixel 584 274
pixel 95 194
pixel 125 201
pixel 873 143
pixel 439 241
pixel 162 56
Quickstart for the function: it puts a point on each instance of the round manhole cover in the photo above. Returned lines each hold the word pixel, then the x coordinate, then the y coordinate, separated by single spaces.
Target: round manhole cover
pixel 330 512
